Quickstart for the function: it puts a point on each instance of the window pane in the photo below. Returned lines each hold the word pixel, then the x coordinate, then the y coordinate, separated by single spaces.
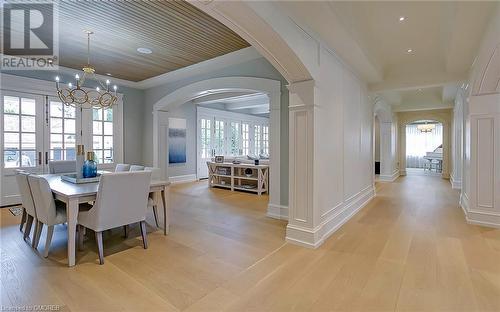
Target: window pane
pixel 28 159
pixel 28 141
pixel 97 142
pixel 28 107
pixel 10 158
pixel 56 141
pixel 69 140
pixel 108 156
pixel 11 122
pixel 108 114
pixel 11 140
pixel 56 125
pixel 28 124
pixel 97 114
pixel 56 109
pixel 69 112
pixel 97 127
pixel 69 126
pixel 108 128
pixel 98 156
pixel 11 105
pixel 108 142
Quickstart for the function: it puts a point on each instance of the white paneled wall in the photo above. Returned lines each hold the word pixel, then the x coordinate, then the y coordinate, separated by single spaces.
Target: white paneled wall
pixel 331 152
pixel 480 198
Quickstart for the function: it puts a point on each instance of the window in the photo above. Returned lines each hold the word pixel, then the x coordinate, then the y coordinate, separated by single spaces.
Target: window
pixel 234 148
pixel 206 129
pixel 62 128
pixel 102 135
pixel 219 137
pixel 245 131
pixel 257 139
pixel 265 140
pixel 19 128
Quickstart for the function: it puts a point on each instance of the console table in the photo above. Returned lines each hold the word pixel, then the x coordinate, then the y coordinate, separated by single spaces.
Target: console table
pixel 242 177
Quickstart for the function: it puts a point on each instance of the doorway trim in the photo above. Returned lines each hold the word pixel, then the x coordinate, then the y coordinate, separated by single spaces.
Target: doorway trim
pixel 270 87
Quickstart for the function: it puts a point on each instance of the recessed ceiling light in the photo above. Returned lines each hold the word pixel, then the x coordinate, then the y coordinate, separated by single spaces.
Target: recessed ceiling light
pixel 144 50
pixel 409 51
pixel 402 18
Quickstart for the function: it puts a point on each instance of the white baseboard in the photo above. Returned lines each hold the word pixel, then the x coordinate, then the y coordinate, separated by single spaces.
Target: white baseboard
pixel 389 178
pixel 340 215
pixel 455 184
pixel 277 212
pixel 481 218
pixel 183 178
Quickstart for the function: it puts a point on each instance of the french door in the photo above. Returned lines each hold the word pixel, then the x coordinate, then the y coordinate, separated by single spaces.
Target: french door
pixel 205 150
pixel 35 130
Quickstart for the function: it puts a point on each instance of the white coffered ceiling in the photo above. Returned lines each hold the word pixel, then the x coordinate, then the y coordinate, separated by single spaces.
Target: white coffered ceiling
pixel 444 37
pixel 238 102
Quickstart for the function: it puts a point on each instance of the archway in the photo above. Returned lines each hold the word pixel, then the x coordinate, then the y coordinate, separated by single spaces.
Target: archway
pixel 443 116
pixel 223 85
pixel 424 152
pixel 384 141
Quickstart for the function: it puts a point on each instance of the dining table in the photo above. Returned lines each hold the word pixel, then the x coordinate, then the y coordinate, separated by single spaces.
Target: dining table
pixel 73 194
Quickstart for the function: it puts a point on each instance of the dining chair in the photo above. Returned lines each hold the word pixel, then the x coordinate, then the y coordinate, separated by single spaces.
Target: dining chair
pixel 28 204
pixel 122 199
pixel 122 167
pixel 153 199
pixel 62 166
pixel 48 211
pixel 136 168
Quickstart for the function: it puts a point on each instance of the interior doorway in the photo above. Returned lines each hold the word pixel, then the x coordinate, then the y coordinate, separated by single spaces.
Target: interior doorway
pixel 424 147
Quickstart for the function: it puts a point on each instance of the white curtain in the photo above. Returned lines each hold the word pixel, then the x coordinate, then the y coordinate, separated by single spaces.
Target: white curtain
pixel 419 143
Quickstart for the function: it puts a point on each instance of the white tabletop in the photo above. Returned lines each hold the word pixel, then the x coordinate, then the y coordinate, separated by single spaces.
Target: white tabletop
pixel 69 189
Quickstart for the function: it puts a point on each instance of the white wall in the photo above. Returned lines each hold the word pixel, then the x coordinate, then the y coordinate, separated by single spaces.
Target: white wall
pixel 480 198
pixel 377 139
pixel 457 140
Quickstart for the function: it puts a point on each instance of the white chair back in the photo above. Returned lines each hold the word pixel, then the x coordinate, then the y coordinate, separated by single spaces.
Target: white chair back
pixel 155 172
pixel 122 167
pixel 136 168
pixel 121 200
pixel 25 190
pixel 62 166
pixel 43 199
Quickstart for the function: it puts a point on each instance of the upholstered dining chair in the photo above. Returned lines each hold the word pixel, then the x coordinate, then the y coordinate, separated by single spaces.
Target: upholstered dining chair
pixel 122 167
pixel 122 199
pixel 62 166
pixel 48 211
pixel 28 204
pixel 153 198
pixel 136 168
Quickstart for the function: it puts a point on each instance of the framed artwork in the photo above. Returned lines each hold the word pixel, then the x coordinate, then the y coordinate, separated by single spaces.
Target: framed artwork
pixel 176 140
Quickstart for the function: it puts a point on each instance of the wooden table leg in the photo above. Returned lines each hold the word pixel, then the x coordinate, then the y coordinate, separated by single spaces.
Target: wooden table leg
pixel 165 211
pixel 72 214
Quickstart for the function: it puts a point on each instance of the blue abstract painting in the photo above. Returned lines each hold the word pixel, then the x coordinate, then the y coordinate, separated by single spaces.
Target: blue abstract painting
pixel 176 141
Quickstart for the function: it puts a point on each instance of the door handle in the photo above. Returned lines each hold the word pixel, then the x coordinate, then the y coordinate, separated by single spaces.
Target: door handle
pixel 40 158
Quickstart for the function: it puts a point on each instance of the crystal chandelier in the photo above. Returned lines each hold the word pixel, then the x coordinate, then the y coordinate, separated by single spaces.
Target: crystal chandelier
pixel 75 96
pixel 425 128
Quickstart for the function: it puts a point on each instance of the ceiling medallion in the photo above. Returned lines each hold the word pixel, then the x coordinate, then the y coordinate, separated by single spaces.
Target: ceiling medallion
pixel 76 96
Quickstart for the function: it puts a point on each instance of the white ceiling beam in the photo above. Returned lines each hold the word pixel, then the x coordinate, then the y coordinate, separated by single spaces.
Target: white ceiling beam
pixel 259 110
pixel 416 81
pixel 247 104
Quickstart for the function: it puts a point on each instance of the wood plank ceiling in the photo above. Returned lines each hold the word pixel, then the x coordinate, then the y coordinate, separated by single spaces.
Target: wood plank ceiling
pixel 178 34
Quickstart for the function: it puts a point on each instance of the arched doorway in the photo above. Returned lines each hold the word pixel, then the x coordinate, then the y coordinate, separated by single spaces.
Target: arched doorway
pixel 269 87
pixel 442 116
pixel 424 147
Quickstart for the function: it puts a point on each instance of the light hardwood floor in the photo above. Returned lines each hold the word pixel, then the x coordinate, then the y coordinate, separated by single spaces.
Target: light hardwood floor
pixel 409 249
